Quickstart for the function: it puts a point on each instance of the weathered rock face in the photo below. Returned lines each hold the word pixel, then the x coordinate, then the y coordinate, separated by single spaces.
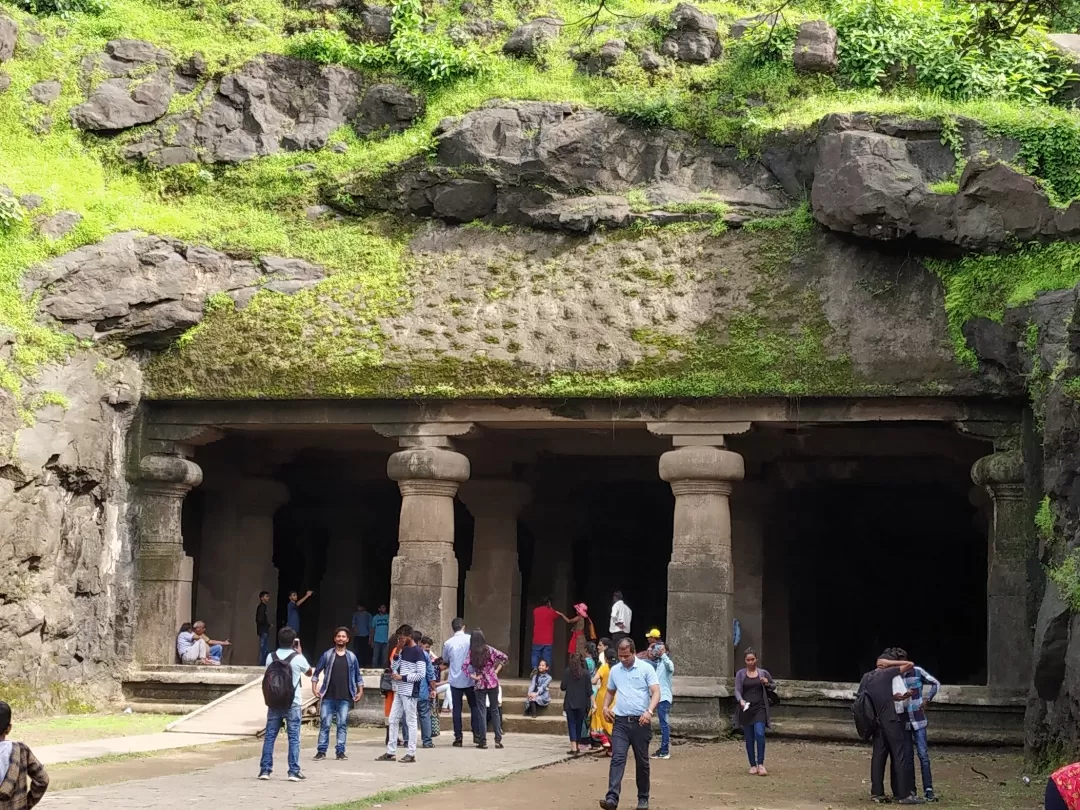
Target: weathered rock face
pixel 273 103
pixel 528 163
pixel 45 92
pixel 815 48
pixel 65 548
pixel 138 89
pixel 527 39
pixel 146 290
pixel 694 37
pixel 604 59
pixel 387 108
pixel 9 34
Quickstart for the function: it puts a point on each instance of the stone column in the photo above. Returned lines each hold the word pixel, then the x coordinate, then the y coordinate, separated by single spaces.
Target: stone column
pixel 1012 547
pixel 237 560
pixel 748 556
pixel 163 591
pixel 424 574
pixel 554 529
pixel 700 576
pixel 493 583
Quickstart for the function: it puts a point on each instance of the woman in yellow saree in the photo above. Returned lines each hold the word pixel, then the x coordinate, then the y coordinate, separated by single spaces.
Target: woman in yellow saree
pixel 599 727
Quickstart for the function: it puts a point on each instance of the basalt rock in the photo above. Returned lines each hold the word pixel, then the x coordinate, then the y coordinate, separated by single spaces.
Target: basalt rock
pixel 272 103
pixel 529 163
pixel 146 290
pixel 694 37
pixel 527 39
pixel 9 34
pixel 603 60
pixel 815 48
pixel 137 90
pixel 45 92
pixel 386 109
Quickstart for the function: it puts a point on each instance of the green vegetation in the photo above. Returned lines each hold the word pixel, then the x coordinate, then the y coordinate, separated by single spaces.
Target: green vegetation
pixel 945 187
pixel 1044 521
pixel 28 700
pixel 80 727
pixel 897 57
pixel 1066 575
pixel 387 796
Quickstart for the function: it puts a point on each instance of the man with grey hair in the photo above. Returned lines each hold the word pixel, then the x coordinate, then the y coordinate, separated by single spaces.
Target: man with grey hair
pixel 214 648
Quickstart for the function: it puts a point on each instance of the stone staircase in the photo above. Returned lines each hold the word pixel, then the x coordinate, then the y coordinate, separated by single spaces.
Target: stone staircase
pixel 549 720
pixel 178 689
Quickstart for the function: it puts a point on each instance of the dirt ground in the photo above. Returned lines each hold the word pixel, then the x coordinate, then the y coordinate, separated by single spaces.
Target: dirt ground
pixel 802 776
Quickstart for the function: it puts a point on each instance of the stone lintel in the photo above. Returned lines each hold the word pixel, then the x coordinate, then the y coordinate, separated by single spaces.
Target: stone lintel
pixel 195 435
pixel 1004 434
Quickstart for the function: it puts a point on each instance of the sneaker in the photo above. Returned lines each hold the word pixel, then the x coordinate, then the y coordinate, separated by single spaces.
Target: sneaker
pixel 879 799
pixel 661 755
pixel 408 758
pixel 481 746
pixel 606 805
pixel 457 744
pixel 385 758
pixel 341 757
pixel 911 800
pixel 498 745
pixel 429 745
pixel 931 796
pixel 753 771
pixel 264 774
pixel 320 756
pixel 297 777
pixel 643 804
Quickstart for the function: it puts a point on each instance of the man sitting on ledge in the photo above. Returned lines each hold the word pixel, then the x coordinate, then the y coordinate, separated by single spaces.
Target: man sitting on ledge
pixel 195 647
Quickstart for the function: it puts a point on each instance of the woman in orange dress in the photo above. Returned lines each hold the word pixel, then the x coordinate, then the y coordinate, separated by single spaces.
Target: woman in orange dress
pixel 579 626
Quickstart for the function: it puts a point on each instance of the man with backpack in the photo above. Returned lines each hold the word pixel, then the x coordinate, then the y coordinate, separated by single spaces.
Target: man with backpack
pixel 876 715
pixel 285 667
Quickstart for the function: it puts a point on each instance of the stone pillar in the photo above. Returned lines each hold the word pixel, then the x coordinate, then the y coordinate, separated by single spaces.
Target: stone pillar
pixel 554 529
pixel 493 583
pixel 700 576
pixel 1012 546
pixel 237 560
pixel 748 557
pixel 424 574
pixel 163 591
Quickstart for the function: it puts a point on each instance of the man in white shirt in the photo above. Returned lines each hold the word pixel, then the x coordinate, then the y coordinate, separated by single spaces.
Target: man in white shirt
pixel 455 653
pixel 620 618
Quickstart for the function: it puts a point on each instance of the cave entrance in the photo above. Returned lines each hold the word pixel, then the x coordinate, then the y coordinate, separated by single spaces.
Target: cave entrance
pixel 872 564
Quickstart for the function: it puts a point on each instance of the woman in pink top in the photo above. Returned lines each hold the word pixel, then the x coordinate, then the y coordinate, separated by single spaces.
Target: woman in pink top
pixel 484 665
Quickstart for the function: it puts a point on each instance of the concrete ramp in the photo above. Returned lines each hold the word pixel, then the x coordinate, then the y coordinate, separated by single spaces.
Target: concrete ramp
pixel 241 712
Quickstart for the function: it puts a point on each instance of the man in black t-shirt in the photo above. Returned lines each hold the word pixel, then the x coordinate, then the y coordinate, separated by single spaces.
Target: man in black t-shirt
pixel 888 740
pixel 341 686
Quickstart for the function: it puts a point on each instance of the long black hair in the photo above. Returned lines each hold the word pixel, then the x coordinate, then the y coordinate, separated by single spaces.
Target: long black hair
pixel 478 649
pixel 577 666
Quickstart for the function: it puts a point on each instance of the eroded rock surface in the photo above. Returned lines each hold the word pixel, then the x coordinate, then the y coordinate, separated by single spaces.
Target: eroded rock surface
pixel 694 37
pixel 9 34
pixel 137 89
pixel 527 39
pixel 815 48
pixel 146 290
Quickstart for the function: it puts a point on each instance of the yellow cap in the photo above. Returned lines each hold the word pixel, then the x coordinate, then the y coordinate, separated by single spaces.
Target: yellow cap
pixel 654 633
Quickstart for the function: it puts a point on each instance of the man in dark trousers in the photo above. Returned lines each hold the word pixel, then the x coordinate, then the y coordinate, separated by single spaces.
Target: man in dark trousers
pixel 635 690
pixel 880 686
pixel 262 626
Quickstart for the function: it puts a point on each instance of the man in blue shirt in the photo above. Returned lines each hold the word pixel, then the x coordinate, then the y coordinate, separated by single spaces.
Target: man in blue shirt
pixel 634 685
pixel 292 610
pixel 361 630
pixel 657 655
pixel 427 689
pixel 456 655
pixel 341 687
pixel 288 645
pixel 380 635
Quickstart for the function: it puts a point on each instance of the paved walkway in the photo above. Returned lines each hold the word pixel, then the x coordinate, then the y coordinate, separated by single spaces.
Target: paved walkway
pixel 136 744
pixel 233 786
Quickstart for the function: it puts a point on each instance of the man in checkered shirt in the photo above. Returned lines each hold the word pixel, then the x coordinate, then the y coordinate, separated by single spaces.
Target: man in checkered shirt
pixel 915 680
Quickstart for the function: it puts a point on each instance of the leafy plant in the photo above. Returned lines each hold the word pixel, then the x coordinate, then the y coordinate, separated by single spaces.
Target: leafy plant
pixel 11 213
pixel 61 8
pixel 768 43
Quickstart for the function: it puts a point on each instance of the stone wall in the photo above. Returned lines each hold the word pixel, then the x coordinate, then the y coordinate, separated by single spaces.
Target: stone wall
pixel 66 585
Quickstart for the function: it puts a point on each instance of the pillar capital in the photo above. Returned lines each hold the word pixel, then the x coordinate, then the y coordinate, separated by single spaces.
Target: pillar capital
pixel 701 466
pixel 501 496
pixel 170 476
pixel 428 464
pixel 1002 474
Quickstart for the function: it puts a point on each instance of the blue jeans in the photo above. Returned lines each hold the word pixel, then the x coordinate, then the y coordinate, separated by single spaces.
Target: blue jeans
pixel 378 654
pixel 215 653
pixel 541 652
pixel 338 711
pixel 264 648
pixel 291 716
pixel 663 708
pixel 755 734
pixel 918 736
pixel 423 712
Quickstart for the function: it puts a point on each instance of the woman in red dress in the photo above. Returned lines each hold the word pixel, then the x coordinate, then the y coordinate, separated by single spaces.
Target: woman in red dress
pixel 580 624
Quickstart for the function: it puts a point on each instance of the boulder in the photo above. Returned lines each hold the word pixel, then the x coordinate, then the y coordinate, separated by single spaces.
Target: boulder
pixel 694 37
pixel 147 290
pixel 376 21
pixel 581 214
pixel 603 60
pixel 650 61
pixel 527 39
pixel 866 184
pixel 45 92
pixel 995 203
pixel 386 109
pixel 137 89
pixel 272 103
pixel 9 35
pixel 31 202
pixel 815 48
pixel 1069 47
pixel 741 26
pixel 58 225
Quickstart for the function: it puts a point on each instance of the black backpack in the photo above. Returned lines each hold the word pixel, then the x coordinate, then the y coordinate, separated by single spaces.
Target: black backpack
pixel 278 686
pixel 866 723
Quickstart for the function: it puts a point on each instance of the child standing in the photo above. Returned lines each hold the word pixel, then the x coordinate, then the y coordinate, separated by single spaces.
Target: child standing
pixel 17 766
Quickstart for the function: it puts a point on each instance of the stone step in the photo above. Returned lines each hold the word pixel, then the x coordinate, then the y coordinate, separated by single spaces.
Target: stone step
pixel 544 724
pixel 192 685
pixel 154 707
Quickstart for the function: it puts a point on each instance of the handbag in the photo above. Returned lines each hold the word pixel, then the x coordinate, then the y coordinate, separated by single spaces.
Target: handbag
pixel 386 683
pixel 771 695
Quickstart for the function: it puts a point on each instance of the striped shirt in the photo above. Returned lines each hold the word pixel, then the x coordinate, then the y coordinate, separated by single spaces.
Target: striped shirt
pixel 412 666
pixel 915 680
